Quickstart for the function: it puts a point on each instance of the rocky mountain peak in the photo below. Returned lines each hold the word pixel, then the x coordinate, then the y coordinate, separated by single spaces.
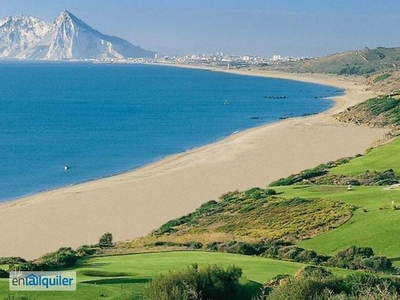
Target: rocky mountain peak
pixel 26 37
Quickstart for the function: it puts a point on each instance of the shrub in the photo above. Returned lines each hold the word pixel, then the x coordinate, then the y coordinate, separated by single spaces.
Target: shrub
pixel 190 244
pixel 86 250
pixel 11 260
pixel 360 258
pixel 305 288
pixel 312 271
pixel 258 193
pixel 360 283
pixel 63 258
pixel 4 274
pixel 193 245
pixel 284 181
pixel 28 266
pixel 106 240
pixel 211 282
pixel 319 284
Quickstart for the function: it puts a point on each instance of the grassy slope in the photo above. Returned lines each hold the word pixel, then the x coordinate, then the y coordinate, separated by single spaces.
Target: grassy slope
pixel 141 267
pixel 379 159
pixel 251 215
pixel 381 111
pixel 376 228
pixel 361 62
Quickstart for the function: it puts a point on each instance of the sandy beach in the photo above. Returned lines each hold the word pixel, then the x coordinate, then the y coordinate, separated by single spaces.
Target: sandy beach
pixel 134 203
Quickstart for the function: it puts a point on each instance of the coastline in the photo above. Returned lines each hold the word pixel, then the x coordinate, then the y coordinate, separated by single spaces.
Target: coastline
pixel 132 204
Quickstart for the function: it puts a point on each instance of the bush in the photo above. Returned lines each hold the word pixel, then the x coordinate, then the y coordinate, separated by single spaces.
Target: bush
pixel 319 284
pixel 361 283
pixel 258 193
pixel 360 258
pixel 190 244
pixel 28 266
pixel 86 250
pixel 302 288
pixel 63 258
pixel 11 260
pixel 4 274
pixel 211 282
pixel 283 181
pixel 193 245
pixel 106 241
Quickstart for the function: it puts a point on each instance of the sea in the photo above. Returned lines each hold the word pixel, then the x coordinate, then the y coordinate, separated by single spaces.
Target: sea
pixel 105 119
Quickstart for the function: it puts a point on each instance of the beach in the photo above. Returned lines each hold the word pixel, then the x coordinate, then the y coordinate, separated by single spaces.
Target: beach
pixel 133 204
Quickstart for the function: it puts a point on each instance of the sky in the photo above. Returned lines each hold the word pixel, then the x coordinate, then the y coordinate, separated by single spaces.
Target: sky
pixel 237 27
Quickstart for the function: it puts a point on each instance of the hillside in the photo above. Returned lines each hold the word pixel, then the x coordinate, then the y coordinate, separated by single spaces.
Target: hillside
pixel 314 205
pixel 271 217
pixel 380 66
pixel 381 111
pixel 377 167
pixel 360 62
pixel 377 217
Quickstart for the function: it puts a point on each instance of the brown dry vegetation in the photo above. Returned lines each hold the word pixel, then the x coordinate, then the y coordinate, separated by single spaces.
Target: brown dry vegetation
pixel 249 216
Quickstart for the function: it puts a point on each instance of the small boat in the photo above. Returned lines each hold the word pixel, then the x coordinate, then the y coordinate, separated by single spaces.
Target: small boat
pixel 226 102
pixel 66 167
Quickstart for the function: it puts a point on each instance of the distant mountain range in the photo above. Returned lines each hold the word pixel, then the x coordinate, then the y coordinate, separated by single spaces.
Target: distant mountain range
pixel 25 37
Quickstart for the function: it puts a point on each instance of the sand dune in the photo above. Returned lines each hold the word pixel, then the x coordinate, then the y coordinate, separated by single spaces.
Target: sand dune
pixel 134 203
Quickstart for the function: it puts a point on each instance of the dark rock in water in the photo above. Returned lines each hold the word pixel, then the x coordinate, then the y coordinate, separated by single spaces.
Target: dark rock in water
pixel 305 115
pixel 275 97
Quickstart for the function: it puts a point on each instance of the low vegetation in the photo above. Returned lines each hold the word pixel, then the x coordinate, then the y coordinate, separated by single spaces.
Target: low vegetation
pixel 373 168
pixel 383 111
pixel 356 258
pixel 320 284
pixel 210 282
pixel 361 62
pixel 271 217
pixel 63 258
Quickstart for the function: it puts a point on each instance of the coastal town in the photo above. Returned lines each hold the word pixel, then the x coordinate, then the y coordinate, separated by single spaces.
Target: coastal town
pixel 218 59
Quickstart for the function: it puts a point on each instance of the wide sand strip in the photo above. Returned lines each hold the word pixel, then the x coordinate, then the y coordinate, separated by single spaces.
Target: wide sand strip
pixel 134 203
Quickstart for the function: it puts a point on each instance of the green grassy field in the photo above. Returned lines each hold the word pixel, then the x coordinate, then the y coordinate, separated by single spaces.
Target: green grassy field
pixel 125 276
pixel 379 159
pixel 378 227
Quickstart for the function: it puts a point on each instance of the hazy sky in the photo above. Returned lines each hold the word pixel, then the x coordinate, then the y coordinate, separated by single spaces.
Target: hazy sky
pixel 255 27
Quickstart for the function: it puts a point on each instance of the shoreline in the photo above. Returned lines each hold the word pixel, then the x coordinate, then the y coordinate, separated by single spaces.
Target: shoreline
pixel 133 203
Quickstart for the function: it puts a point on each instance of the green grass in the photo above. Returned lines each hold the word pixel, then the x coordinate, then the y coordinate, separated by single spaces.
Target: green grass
pixel 382 77
pixel 377 228
pixel 139 268
pixel 379 159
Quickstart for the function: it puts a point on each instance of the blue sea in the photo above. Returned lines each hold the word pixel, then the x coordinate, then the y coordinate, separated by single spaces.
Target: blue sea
pixel 104 119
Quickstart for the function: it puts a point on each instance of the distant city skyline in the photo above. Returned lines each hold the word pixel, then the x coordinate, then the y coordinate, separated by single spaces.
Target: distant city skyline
pixel 252 27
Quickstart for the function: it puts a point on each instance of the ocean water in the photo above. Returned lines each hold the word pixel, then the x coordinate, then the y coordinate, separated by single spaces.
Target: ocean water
pixel 104 119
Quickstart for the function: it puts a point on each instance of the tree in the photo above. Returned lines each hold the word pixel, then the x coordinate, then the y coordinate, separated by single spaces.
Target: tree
pixel 106 240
